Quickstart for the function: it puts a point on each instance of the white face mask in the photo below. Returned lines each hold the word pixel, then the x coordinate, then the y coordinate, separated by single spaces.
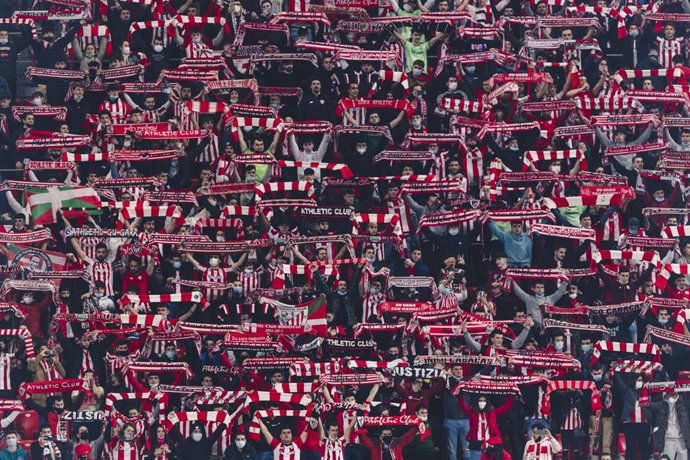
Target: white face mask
pixel 196 437
pixel 220 238
pixel 196 40
pixel 673 399
pixel 573 295
pixel 481 404
pixel 638 385
pixel 237 9
pixel 452 86
pixel 417 124
pixel 423 418
pixel 233 100
pixel 416 72
pixel 408 8
pixel 556 169
pixel 445 291
pixel 213 261
pixel 559 346
pixel 361 151
pixel 126 50
pixel 170 354
pixel 659 199
pixel 453 231
pixel 38 101
pixel 240 444
pixel 248 271
pixel 157 48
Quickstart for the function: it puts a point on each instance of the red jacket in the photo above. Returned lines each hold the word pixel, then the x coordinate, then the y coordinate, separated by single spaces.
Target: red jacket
pixel 396 447
pixel 490 418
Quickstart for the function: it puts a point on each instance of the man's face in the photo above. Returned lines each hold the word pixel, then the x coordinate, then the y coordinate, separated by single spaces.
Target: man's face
pixel 316 86
pixel 539 289
pixel 133 266
pixel 258 145
pixel 4 35
pixel 19 223
pixel 46 432
pixel 29 120
pixel 516 227
pixel 497 340
pixel 416 255
pixel 154 380
pixel 374 119
pixel 125 15
pixel 559 254
pixel 286 436
pixel 638 163
pixel 669 31
pixel 624 277
pixel 353 90
pixel 186 93
pixel 566 34
pixel 101 254
pixel 619 137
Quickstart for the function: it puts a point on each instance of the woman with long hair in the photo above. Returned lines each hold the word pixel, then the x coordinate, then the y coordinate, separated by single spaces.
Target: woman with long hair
pixel 483 422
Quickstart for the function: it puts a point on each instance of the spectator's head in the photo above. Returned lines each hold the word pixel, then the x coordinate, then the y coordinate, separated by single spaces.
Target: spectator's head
pixel 422 412
pixel 19 221
pixel 664 314
pixel 11 437
pixel 240 440
pixel 4 37
pixel 386 436
pixel 559 342
pixel 198 433
pixel 153 380
pixel 353 90
pixel 483 404
pixel 286 435
pixel 669 30
pixel 496 338
pixel 28 120
pixel 516 227
pixel 624 275
pixel 501 261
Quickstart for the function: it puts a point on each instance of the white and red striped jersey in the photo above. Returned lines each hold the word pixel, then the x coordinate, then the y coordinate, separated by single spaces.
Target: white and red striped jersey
pixel 613 228
pixel 370 305
pixel 211 152
pixel 197 50
pixel 213 275
pixel 667 49
pixel 119 110
pixel 292 451
pixel 86 362
pixel 541 450
pixel 400 208
pixel 5 369
pixel 573 421
pixel 473 165
pixel 251 281
pixel 636 415
pixel 482 427
pixel 125 450
pixel 101 271
pixel 333 449
pixel 223 170
pixel 88 245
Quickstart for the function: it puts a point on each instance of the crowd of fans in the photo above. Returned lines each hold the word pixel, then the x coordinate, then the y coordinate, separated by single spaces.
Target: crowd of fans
pixel 350 230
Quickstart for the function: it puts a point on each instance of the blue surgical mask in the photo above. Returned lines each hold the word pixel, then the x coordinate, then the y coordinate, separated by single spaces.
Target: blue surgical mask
pixel 586 348
pixel 177 265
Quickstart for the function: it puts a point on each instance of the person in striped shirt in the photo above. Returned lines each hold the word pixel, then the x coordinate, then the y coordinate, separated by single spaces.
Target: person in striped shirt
pixel 287 448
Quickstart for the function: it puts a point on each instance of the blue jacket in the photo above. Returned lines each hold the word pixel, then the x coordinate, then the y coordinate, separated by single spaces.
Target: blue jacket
pixel 518 247
pixel 20 454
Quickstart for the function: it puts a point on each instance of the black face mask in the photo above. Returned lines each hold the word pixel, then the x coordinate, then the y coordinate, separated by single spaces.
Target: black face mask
pixel 386 439
pixel 84 435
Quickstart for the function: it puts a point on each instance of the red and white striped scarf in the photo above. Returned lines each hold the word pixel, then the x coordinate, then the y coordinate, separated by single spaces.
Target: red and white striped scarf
pixel 623 347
